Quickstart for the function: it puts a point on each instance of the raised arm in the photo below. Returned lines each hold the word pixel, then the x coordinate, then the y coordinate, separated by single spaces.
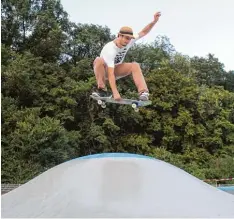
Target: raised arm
pixel 148 28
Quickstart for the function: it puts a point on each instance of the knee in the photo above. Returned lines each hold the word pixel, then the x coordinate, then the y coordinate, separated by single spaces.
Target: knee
pixel 98 61
pixel 135 66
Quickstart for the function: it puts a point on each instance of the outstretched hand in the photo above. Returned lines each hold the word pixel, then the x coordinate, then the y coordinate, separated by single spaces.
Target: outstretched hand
pixel 156 16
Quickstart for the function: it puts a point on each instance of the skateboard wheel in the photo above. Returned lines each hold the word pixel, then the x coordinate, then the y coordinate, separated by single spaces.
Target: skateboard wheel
pixel 136 109
pixel 134 106
pixel 99 102
pixel 103 105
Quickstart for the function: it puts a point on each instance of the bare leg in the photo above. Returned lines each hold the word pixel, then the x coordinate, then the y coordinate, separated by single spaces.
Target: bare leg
pixel 138 78
pixel 100 71
pixel 125 69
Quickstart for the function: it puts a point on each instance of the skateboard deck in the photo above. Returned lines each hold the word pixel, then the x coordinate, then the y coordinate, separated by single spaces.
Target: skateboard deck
pixel 135 103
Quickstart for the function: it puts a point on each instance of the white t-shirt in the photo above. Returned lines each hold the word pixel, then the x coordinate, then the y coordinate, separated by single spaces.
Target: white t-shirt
pixel 114 55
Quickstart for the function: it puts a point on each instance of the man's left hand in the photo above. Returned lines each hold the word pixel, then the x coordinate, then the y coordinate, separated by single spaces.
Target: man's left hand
pixel 156 16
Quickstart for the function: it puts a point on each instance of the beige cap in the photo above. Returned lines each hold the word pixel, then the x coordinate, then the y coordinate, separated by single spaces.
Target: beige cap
pixel 126 31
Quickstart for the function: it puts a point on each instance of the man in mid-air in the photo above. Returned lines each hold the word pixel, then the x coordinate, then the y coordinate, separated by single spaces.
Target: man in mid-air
pixel 110 65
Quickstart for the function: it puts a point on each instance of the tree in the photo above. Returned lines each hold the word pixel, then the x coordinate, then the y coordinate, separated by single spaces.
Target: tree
pixel 84 42
pixel 48 116
pixel 209 70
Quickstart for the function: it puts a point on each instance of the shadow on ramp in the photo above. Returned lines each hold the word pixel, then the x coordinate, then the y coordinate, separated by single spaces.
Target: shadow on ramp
pixel 116 185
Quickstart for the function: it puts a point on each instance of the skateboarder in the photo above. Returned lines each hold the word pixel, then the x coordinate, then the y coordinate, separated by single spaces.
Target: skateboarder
pixel 110 65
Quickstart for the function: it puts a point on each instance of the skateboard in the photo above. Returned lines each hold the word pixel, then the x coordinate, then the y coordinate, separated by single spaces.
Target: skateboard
pixel 134 103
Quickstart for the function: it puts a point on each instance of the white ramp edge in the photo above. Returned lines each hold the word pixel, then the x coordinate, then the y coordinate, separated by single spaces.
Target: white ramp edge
pixel 116 185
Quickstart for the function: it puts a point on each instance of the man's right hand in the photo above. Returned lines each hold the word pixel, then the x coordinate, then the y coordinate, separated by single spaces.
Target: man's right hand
pixel 112 82
pixel 116 96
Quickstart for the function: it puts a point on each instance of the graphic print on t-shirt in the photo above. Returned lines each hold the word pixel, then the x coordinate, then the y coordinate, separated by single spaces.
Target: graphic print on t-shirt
pixel 120 56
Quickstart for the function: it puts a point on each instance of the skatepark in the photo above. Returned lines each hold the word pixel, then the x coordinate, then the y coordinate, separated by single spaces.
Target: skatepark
pixel 116 185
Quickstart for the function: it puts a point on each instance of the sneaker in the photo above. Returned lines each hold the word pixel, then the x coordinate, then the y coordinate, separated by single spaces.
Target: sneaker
pixel 144 96
pixel 101 93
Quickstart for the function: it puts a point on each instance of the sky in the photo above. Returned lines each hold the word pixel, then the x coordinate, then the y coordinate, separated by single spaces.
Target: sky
pixel 195 28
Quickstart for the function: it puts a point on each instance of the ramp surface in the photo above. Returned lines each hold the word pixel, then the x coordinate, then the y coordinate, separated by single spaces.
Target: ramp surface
pixel 116 185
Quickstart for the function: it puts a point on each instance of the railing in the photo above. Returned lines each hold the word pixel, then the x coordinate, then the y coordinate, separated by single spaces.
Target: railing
pixel 214 182
pixel 8 187
pixel 217 182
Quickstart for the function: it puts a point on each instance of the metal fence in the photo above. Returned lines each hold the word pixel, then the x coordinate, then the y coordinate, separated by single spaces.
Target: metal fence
pixel 229 188
pixel 5 188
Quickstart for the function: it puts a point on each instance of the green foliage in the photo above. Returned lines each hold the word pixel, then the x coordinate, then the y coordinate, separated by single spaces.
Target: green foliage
pixel 209 70
pixel 34 142
pixel 229 82
pixel 48 117
pixel 151 56
pixel 84 41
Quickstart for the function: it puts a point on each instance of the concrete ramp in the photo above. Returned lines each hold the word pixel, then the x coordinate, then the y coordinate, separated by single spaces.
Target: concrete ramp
pixel 116 185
